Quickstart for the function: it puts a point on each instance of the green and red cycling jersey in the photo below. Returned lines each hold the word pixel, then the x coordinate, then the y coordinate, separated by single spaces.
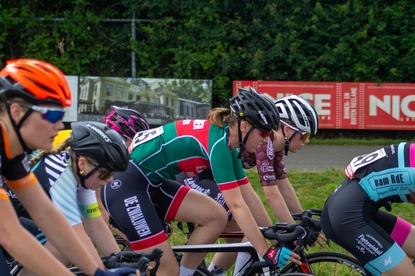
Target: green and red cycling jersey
pixel 188 146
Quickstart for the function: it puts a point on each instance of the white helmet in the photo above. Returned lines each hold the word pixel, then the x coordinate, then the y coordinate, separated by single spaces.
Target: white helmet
pixel 300 111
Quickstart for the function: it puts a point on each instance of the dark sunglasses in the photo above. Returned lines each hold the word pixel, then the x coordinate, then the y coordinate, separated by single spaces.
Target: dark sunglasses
pixel 52 115
pixel 104 174
pixel 265 132
pixel 304 135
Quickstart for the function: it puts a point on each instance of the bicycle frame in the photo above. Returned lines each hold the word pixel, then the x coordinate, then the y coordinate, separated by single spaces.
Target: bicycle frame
pixel 231 247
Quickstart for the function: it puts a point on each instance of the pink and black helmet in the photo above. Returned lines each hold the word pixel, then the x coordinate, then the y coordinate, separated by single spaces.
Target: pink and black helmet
pixel 126 122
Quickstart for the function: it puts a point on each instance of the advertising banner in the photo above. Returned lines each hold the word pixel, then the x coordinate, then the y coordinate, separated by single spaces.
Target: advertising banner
pixel 349 105
pixel 159 100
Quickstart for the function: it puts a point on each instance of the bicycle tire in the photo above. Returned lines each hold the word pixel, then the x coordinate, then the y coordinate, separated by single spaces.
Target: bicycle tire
pixel 330 264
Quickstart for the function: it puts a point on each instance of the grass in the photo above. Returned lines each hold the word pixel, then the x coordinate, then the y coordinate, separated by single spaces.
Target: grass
pixel 312 189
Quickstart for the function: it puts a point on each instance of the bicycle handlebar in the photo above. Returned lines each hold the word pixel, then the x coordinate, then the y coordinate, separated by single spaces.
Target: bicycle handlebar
pixel 137 260
pixel 292 234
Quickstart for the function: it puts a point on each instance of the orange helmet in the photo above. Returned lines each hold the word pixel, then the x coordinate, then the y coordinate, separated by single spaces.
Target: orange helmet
pixel 35 81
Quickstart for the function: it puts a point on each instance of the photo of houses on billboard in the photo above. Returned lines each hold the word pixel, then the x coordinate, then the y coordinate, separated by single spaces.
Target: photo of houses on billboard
pixel 159 100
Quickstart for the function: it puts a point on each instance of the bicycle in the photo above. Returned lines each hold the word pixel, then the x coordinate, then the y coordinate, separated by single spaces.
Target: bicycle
pixel 319 263
pixel 322 263
pixel 285 234
pixel 132 259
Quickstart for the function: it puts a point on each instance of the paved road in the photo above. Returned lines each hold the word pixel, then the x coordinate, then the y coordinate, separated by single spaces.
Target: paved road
pixel 321 157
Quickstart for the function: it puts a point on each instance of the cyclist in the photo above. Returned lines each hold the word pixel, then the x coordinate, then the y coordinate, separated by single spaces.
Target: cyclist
pixel 351 216
pixel 33 94
pixel 191 146
pixel 126 122
pixel 92 145
pixel 298 120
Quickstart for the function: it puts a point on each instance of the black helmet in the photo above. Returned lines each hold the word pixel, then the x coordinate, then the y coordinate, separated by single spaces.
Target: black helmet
pixel 300 111
pixel 126 122
pixel 255 108
pixel 98 141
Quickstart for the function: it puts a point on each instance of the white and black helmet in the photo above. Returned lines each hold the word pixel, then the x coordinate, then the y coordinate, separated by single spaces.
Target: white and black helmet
pixel 300 111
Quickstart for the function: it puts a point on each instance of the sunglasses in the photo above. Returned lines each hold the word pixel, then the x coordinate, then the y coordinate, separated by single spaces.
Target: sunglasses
pixel 104 174
pixel 264 132
pixel 53 115
pixel 304 135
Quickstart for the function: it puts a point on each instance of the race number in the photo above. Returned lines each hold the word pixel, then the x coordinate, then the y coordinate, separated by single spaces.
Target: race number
pixel 144 136
pixel 363 160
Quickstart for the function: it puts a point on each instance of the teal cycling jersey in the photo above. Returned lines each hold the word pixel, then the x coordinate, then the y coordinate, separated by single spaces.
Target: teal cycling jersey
pixel 387 175
pixel 188 146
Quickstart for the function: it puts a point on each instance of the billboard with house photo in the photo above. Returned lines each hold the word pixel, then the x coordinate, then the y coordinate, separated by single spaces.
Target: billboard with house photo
pixel 159 100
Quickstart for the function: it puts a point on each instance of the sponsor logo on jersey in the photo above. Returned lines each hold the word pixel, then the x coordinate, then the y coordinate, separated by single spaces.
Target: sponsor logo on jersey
pixel 26 164
pixel 198 124
pixel 115 184
pixel 136 215
pixel 200 168
pixel 265 167
pixel 11 195
pixel 270 150
pixel 269 177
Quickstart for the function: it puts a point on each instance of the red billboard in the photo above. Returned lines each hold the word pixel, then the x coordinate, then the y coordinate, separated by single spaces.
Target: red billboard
pixel 349 105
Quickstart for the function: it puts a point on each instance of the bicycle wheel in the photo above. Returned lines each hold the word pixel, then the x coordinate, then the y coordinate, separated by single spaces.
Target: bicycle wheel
pixel 329 264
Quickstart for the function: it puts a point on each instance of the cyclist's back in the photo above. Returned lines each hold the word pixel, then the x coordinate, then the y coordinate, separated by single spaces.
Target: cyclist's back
pixel 160 154
pixel 351 215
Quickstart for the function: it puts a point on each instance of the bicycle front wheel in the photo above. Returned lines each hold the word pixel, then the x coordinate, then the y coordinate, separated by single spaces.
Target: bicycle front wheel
pixel 329 264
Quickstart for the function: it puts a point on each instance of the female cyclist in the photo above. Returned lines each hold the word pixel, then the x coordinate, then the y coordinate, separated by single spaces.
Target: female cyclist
pixel 126 122
pixel 191 146
pixel 70 176
pixel 298 120
pixel 351 215
pixel 32 97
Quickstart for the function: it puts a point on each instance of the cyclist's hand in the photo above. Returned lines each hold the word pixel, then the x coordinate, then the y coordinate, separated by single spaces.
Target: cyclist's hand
pixel 279 256
pixel 321 237
pixel 312 237
pixel 122 271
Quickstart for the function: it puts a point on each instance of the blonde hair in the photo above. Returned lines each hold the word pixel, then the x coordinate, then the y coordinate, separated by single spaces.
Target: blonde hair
pixel 43 153
pixel 218 116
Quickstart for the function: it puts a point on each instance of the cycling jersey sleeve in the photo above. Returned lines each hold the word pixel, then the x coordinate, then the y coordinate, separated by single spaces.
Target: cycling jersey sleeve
pixel 224 167
pixel 17 173
pixel 3 194
pixel 239 171
pixel 279 166
pixel 64 196
pixel 87 203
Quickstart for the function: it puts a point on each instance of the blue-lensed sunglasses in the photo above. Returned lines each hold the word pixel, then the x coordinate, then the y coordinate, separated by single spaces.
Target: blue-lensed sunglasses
pixel 52 115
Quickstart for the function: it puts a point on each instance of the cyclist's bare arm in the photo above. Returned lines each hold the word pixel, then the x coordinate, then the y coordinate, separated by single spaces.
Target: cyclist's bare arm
pixel 88 243
pixel 288 193
pixel 245 220
pixel 21 245
pixel 55 226
pixel 256 206
pixel 277 203
pixel 101 235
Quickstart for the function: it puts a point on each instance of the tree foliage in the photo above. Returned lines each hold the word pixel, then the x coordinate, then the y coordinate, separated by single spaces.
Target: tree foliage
pixel 222 40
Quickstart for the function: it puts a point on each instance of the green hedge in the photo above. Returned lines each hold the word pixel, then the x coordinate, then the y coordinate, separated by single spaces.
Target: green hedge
pixel 299 40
